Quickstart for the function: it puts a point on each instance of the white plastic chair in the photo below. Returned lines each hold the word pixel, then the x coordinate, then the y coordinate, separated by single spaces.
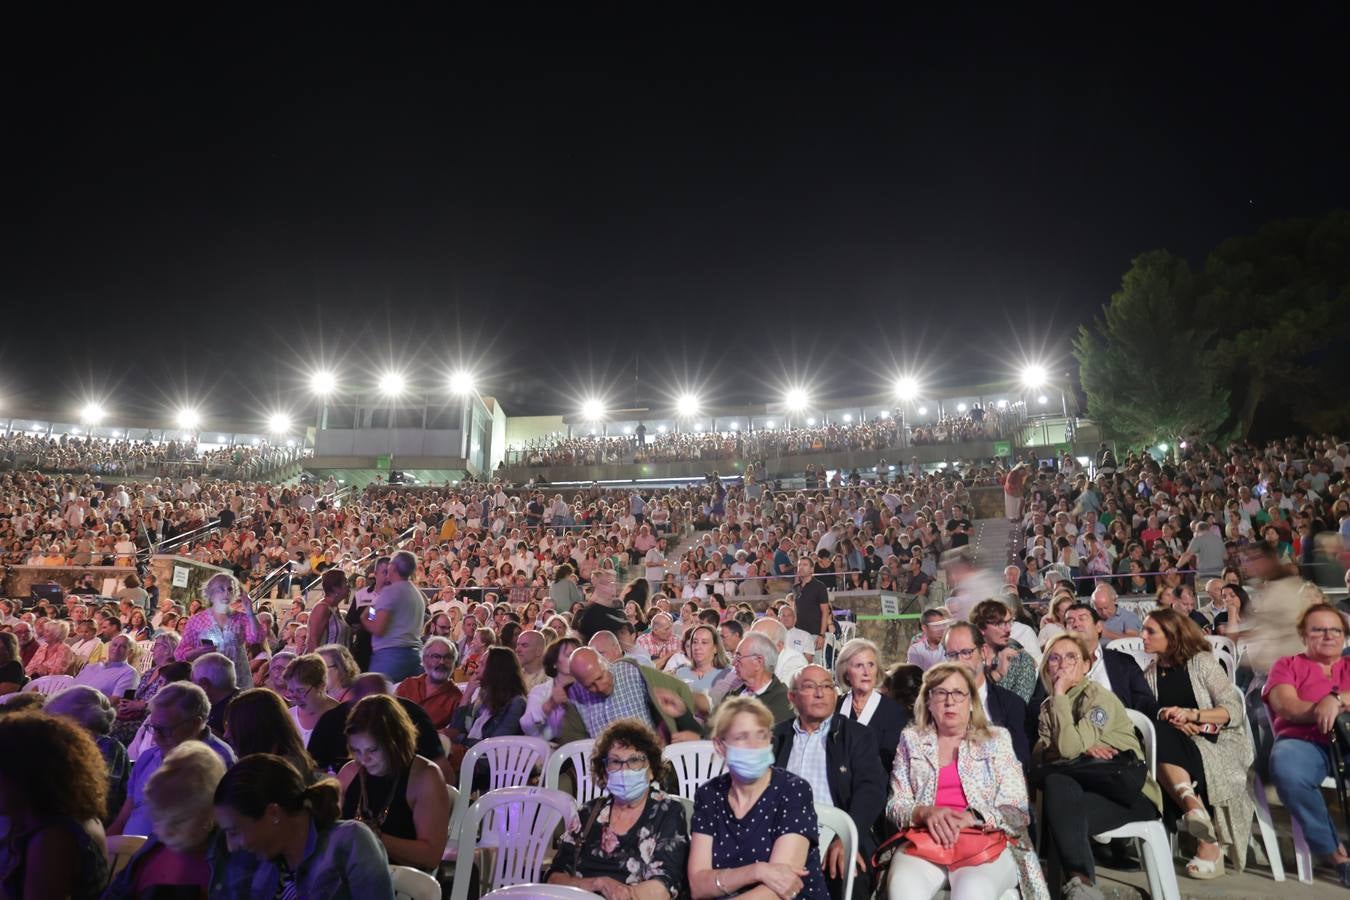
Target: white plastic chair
pixel 1157 847
pixel 144 658
pixel 1134 647
pixel 1225 651
pixel 1303 860
pixel 540 892
pixel 579 754
pixel 49 685
pixel 414 884
pixel 510 760
pixel 522 822
pixel 1265 826
pixel 695 762
pixel 834 822
pixel 121 848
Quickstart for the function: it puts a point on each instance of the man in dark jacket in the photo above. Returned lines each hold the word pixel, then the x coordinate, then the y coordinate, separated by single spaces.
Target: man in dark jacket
pixel 1110 668
pixel 840 760
pixel 966 645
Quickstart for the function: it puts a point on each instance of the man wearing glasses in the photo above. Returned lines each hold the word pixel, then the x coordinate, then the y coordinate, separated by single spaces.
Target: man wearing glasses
pixel 964 644
pixel 839 759
pixel 178 713
pixel 754 662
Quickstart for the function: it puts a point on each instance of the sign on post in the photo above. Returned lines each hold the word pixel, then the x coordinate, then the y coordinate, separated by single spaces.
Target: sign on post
pixel 890 605
pixel 382 463
pixel 180 576
pixel 1003 448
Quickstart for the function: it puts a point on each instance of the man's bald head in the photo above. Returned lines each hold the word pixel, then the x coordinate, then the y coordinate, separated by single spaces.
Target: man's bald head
pixel 607 645
pixel 591 671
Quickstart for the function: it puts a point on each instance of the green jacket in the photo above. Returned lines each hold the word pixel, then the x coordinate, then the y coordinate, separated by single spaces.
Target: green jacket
pixel 574 729
pixel 1086 716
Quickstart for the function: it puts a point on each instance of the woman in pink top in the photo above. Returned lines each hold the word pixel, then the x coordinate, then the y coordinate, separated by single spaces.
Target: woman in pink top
pixel 1305 694
pixel 954 770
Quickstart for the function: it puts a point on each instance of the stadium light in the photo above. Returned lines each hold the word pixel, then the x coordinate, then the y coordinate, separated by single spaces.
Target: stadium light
pixel 1163 447
pixel 593 410
pixel 628 429
pixel 92 413
pixel 1042 399
pixel 188 419
pixel 1034 376
pixel 796 399
pixel 906 389
pixel 687 406
pixel 660 429
pixel 848 417
pixel 393 384
pixel 323 383
pixel 279 423
pixel 461 382
pixel 768 423
pixel 1002 404
pixel 923 410
pixel 885 414
pixel 960 407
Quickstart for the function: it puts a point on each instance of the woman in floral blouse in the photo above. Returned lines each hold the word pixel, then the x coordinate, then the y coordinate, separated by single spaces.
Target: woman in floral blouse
pixel 633 836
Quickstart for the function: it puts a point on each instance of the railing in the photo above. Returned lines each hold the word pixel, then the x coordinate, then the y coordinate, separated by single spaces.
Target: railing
pixel 251 468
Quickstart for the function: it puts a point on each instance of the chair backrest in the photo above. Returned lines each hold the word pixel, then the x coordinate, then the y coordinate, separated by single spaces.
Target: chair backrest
pixel 522 822
pixel 1225 651
pixel 540 892
pixel 510 761
pixel 1148 737
pixel 50 684
pixel 838 824
pixel 144 658
pixel 579 754
pixel 695 762
pixel 414 884
pixel 121 848
pixel 1127 645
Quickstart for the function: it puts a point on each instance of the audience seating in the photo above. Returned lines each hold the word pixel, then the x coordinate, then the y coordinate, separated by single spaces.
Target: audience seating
pixel 510 761
pixel 834 822
pixel 414 884
pixel 1303 859
pixel 522 822
pixel 579 754
pixel 695 762
pixel 539 892
pixel 121 848
pixel 49 685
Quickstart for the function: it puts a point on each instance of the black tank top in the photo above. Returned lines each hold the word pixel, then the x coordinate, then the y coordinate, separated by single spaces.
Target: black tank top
pixel 384 805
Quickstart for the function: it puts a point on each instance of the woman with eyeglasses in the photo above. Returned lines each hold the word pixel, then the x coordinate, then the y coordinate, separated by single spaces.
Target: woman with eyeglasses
pixel 306 680
pixel 1306 693
pixel 1081 719
pixel 632 841
pixel 957 783
pixel 755 826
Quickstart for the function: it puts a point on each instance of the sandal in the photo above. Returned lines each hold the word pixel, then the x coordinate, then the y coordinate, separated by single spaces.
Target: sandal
pixel 1204 869
pixel 1197 822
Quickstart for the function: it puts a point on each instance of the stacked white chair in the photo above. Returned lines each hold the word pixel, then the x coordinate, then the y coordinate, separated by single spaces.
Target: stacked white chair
pixel 49 685
pixel 834 822
pixel 579 754
pixel 414 884
pixel 539 892
pixel 510 761
pixel 518 825
pixel 695 762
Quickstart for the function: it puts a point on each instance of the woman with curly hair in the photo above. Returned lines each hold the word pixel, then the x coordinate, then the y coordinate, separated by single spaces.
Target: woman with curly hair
pixel 633 836
pixel 55 845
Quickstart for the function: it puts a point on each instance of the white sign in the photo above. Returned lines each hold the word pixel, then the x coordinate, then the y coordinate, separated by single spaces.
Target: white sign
pixel 890 605
pixel 180 576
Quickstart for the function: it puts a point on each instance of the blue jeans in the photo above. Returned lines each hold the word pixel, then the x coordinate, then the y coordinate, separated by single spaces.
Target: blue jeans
pixel 1298 768
pixel 397 663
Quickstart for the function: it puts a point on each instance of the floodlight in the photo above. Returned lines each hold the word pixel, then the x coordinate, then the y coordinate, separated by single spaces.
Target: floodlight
pixel 734 426
pixel 323 383
pixel 768 423
pixel 960 407
pixel 188 419
pixel 698 426
pixel 848 417
pixel 906 389
pixel 1034 376
pixel 687 405
pixel 1163 446
pixel 392 384
pixel 628 429
pixel 279 423
pixel 810 421
pixel 461 382
pixel 885 414
pixel 1003 404
pixel 795 399
pixel 1042 399
pixel 92 413
pixel 660 429
pixel 923 410
pixel 593 410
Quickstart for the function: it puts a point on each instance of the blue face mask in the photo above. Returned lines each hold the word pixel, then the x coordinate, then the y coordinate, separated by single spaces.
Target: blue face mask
pixel 749 763
pixel 626 785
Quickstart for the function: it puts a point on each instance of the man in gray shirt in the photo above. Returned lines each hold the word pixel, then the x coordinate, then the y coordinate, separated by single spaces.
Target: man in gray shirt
pixel 395 622
pixel 1206 549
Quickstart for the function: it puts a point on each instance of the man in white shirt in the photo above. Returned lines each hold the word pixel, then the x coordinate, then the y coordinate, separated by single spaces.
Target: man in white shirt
pixel 928 651
pixel 655 562
pixel 114 677
pixel 796 639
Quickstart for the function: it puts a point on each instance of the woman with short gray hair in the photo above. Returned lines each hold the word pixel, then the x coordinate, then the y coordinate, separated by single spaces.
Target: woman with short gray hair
pixel 858 669
pixel 91 710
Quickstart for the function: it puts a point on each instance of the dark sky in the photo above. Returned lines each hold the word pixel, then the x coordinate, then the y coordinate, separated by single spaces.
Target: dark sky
pixel 203 208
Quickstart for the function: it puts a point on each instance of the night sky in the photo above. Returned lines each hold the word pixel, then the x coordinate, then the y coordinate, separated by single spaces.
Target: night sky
pixel 202 209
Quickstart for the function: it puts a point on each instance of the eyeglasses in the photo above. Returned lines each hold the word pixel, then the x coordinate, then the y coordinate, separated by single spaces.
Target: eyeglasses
pixel 159 732
pixel 1333 631
pixel 954 655
pixel 814 687
pixel 739 657
pixel 1066 658
pixel 437 657
pixel 632 764
pixel 942 695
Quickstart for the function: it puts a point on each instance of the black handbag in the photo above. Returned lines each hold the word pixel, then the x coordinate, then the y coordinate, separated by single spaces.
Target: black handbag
pixel 1119 779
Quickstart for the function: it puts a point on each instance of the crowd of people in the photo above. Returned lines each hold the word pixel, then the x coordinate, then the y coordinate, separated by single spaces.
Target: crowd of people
pixel 979 424
pixel 299 739
pixel 80 454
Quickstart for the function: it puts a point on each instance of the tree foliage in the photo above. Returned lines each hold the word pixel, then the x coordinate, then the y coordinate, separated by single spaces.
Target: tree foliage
pixel 1263 324
pixel 1142 363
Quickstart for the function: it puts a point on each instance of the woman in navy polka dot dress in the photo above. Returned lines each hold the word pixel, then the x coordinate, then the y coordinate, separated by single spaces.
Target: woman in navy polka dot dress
pixel 754 828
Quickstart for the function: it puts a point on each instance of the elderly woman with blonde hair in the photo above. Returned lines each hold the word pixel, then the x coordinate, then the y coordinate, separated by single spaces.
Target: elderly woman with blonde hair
pixel 958 793
pixel 185 843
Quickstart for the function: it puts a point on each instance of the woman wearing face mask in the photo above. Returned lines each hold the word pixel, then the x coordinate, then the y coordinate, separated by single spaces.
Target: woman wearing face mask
pixel 176 860
pixel 218 629
pixel 754 826
pixel 632 841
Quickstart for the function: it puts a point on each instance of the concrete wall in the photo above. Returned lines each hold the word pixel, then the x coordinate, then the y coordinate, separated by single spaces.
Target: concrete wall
pixel 19 580
pixel 523 429
pixel 162 566
pixel 399 442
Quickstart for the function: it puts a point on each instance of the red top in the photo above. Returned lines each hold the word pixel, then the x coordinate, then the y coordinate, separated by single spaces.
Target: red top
pixel 1311 684
pixel 949 790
